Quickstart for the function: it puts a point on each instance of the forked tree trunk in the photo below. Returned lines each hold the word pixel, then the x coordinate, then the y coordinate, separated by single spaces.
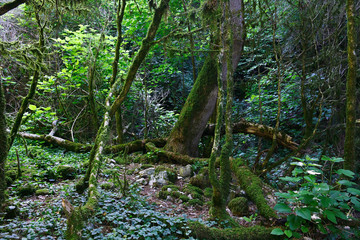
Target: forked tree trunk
pixel 200 104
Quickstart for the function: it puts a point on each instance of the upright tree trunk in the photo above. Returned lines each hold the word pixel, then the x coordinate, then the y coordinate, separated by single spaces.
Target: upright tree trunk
pixel 221 186
pixel 349 148
pixel 3 145
pixel 77 216
pixel 119 18
pixel 32 90
pixel 200 104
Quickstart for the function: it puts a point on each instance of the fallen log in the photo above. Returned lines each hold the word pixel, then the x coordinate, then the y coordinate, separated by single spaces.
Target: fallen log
pixel 130 147
pixel 258 130
pixel 171 156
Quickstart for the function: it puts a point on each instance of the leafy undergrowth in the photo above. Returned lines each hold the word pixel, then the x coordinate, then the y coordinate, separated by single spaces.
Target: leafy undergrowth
pixel 40 216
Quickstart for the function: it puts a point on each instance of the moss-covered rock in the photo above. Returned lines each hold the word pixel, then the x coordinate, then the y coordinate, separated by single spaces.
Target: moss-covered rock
pixel 66 171
pixel 195 192
pixel 145 166
pixel 9 181
pixel 12 174
pixel 171 173
pixel 43 191
pixel 200 231
pixel 195 202
pixel 239 206
pixel 26 190
pixel 107 186
pixel 200 180
pixel 11 211
pixel 184 198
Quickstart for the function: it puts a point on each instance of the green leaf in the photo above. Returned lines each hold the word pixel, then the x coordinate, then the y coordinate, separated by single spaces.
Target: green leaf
pixel 353 191
pixel 330 215
pixel 304 213
pixel 291 179
pixel 282 208
pixel 347 173
pixel 277 231
pixel 296 235
pixel 32 107
pixel 325 201
pixel 288 233
pixel 294 221
pixel 304 229
pixel 322 229
pixel 300 164
pixel 346 183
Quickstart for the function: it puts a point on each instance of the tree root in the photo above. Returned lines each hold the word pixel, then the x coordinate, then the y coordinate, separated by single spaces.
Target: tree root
pixel 251 184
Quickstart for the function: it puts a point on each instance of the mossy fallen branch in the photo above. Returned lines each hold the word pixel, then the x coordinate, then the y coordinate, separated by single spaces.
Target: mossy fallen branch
pixel 171 156
pixel 259 130
pixel 200 231
pixel 252 185
pixel 134 146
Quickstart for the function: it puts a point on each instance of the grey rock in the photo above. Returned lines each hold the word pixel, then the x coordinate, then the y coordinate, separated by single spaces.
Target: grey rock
pixel 160 179
pixel 185 171
pixel 147 172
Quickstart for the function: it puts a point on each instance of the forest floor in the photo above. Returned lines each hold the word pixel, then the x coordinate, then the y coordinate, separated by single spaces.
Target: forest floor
pixel 38 214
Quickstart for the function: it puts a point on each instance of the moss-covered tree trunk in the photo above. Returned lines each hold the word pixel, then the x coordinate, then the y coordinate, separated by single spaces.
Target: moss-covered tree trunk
pixel 119 18
pixel 32 90
pixel 200 104
pixel 349 149
pixel 91 82
pixel 231 10
pixel 78 216
pixel 3 145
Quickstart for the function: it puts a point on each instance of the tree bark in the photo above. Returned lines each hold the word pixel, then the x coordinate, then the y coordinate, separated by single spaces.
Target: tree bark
pixel 32 90
pixel 10 6
pixel 77 217
pixel 3 145
pixel 200 104
pixel 349 148
pixel 259 130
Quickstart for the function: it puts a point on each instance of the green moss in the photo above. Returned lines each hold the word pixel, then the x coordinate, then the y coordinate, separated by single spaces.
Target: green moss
pixel 208 192
pixel 26 190
pixel 107 186
pixel 172 187
pixel 66 171
pixel 163 194
pixel 110 172
pixel 130 171
pixel 195 202
pixel 239 206
pixel 252 185
pixel 43 191
pixel 145 166
pixel 172 175
pixel 9 181
pixel 200 231
pixel 184 198
pixel 200 180
pixel 12 174
pixel 195 192
pixel 175 194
